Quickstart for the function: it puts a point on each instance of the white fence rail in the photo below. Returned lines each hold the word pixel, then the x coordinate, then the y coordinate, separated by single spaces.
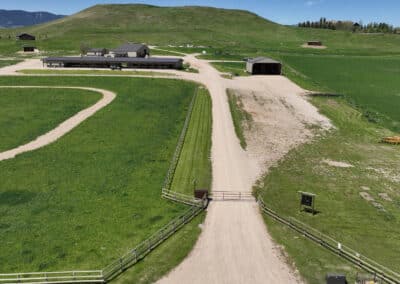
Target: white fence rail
pixel 88 276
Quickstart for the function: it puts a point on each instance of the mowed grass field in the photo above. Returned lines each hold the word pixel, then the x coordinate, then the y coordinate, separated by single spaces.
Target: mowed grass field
pixel 359 205
pixel 369 82
pixel 28 113
pixel 194 166
pixel 88 198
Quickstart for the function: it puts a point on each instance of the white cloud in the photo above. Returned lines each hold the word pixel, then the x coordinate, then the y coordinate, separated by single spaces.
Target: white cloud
pixel 310 3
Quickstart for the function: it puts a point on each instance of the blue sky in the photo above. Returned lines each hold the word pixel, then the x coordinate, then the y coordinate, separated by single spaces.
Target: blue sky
pixel 281 11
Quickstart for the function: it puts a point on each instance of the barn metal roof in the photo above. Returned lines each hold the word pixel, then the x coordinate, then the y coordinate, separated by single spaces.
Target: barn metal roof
pixel 262 60
pixel 101 59
pixel 129 47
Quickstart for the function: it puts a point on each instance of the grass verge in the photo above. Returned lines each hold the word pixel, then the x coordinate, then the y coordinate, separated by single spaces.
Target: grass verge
pixel 239 116
pixel 194 166
pixel 233 68
pixel 359 204
pixel 28 113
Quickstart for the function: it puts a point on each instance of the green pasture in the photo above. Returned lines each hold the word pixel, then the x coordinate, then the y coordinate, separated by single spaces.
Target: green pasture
pixel 88 198
pixel 28 113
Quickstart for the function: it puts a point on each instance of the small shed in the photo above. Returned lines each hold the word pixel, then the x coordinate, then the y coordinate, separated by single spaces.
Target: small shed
pixel 314 43
pixel 25 36
pixel 263 66
pixel 96 52
pixel 29 48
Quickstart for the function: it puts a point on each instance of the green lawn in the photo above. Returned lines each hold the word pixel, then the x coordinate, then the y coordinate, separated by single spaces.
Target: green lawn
pixel 371 227
pixel 85 200
pixel 194 167
pixel 28 113
pixel 370 82
pixel 233 68
pixel 92 72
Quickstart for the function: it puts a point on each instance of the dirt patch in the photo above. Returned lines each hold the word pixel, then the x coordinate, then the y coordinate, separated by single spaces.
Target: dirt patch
pixel 385 196
pixel 386 173
pixel 338 164
pixel 366 196
pixel 278 125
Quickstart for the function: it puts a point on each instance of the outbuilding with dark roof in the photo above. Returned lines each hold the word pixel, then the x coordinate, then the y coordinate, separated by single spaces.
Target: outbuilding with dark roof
pixel 25 36
pixel 263 66
pixel 130 50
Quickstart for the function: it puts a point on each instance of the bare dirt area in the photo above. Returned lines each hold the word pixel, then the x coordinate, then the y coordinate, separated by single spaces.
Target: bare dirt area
pixel 279 124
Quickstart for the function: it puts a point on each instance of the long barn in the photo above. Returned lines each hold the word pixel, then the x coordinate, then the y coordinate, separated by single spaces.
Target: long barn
pixel 117 62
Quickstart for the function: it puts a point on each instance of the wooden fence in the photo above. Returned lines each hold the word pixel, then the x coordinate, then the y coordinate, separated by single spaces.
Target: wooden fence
pixel 379 271
pixel 144 248
pixel 88 276
pixel 178 149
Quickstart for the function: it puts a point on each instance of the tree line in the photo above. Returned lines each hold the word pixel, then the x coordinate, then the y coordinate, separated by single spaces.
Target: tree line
pixel 374 27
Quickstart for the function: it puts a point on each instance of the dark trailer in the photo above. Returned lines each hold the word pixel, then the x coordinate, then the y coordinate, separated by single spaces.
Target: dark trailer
pixel 118 62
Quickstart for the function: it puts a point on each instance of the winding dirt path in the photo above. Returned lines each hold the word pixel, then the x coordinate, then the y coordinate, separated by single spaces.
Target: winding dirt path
pixel 65 126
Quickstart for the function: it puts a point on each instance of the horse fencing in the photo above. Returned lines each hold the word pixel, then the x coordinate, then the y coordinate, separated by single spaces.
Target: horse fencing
pixel 379 271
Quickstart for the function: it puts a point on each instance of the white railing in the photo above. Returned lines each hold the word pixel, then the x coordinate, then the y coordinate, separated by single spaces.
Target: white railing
pixel 88 276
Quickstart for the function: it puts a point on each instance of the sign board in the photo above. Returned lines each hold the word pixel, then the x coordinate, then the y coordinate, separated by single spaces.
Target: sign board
pixel 307 201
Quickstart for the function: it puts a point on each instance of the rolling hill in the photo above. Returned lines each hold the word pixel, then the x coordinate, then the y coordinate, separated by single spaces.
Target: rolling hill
pixel 109 25
pixel 18 18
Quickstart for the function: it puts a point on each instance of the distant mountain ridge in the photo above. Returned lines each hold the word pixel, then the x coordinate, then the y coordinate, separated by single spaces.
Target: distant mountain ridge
pixel 19 18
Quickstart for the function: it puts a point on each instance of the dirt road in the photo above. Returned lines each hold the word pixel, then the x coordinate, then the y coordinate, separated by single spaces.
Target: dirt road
pixel 235 246
pixel 64 127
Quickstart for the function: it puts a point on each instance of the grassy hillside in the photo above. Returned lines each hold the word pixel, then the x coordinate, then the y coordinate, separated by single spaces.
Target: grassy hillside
pixel 110 25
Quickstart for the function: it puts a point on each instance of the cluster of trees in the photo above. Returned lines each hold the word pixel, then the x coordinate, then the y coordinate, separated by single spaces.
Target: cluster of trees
pixel 323 23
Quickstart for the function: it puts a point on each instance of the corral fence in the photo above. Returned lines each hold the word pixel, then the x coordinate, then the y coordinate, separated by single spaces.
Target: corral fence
pixel 231 196
pixel 377 270
pixel 178 150
pixel 88 276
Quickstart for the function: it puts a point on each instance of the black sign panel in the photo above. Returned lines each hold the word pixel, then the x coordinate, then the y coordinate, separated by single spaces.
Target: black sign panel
pixel 306 200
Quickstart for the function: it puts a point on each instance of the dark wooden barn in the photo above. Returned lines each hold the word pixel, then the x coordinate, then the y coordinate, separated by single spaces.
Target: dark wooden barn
pixel 263 66
pixel 25 36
